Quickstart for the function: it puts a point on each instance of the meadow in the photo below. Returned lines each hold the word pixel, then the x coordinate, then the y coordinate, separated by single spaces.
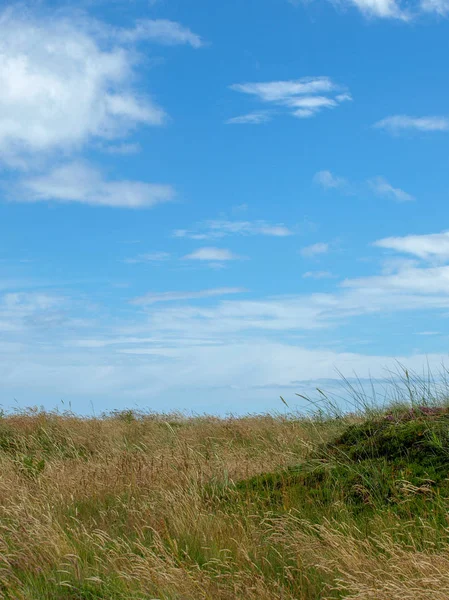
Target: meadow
pixel 287 506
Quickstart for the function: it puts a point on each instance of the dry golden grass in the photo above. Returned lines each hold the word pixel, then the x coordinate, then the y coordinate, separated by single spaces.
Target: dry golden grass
pixel 116 508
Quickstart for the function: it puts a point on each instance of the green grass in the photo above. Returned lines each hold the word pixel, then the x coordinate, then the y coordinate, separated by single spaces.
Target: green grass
pixel 398 464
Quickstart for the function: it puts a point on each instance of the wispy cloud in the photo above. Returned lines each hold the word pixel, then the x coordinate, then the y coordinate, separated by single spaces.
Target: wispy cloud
pixel 215 229
pixel 383 188
pixel 407 288
pixel 439 7
pixel 152 257
pixel 279 91
pixel 161 31
pixel 431 246
pixel 394 9
pixel 428 333
pixel 77 182
pixel 254 342
pixel 308 106
pixel 255 118
pixel 314 250
pixel 213 255
pixel 379 185
pixel 384 9
pixel 329 181
pixel 153 298
pixel 35 311
pixel 426 282
pixel 403 123
pixel 301 98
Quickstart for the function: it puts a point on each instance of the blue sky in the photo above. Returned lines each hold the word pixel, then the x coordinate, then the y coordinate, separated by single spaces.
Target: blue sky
pixel 205 205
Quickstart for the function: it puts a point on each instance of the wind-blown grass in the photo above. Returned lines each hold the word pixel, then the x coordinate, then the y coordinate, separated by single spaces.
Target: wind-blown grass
pixel 134 505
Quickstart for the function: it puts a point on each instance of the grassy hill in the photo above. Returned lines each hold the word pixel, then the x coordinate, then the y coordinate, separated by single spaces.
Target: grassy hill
pixel 145 506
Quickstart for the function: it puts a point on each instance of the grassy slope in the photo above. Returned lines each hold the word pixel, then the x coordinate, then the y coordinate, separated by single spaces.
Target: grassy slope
pixel 253 508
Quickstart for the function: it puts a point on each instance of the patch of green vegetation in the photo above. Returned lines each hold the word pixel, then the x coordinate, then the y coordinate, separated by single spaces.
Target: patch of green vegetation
pixel 112 513
pixel 50 586
pixel 399 463
pixel 31 467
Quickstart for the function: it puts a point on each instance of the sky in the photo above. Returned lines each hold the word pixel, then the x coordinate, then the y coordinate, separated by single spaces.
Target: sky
pixel 207 205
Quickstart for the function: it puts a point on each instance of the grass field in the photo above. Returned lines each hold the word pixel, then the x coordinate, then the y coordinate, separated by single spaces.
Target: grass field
pixel 260 507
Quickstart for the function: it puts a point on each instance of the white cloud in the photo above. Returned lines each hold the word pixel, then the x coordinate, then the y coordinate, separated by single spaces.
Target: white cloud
pixel 392 9
pixel 379 185
pixel 406 290
pixel 387 9
pixel 345 97
pixel 211 254
pixel 77 182
pixel 310 102
pixel 30 302
pixel 440 7
pixel 279 91
pixel 226 349
pixel 315 250
pixel 161 31
pixel 302 97
pixel 318 275
pixel 152 257
pixel 381 8
pixel 152 298
pixel 308 106
pixel 434 245
pixel 329 181
pixel 401 123
pixel 428 333
pixel 273 230
pixel 42 63
pixel 303 113
pixel 32 311
pixel 383 188
pixel 392 264
pixel 215 229
pixel 428 281
pixel 238 377
pixel 255 118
